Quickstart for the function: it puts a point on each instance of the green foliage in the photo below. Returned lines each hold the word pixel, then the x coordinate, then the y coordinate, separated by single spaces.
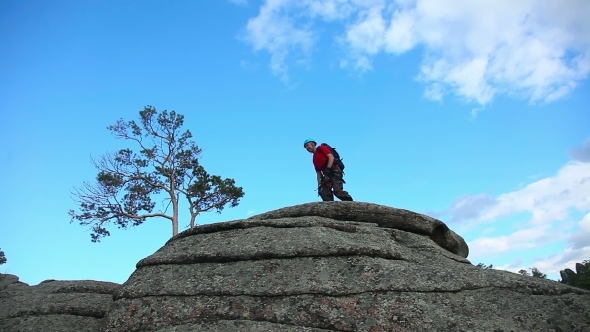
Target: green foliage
pixel 2 257
pixel 538 274
pixel 483 266
pixel 524 272
pixel 582 278
pixel 534 273
pixel 167 163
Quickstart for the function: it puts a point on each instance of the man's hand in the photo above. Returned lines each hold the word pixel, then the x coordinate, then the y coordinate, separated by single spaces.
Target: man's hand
pixel 329 172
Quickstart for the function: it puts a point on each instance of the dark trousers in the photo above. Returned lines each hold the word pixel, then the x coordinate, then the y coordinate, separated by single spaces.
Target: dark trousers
pixel 333 186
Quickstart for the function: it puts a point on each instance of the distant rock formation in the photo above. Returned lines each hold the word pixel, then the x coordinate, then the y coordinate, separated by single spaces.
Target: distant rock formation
pixel 76 306
pixel 335 266
pixel 572 278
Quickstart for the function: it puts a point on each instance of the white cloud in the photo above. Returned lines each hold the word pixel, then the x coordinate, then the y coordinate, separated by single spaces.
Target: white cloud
pixel 366 35
pixel 329 10
pixel 551 212
pixel 476 111
pixel 581 238
pixel 550 202
pixel 531 240
pixel 536 49
pixel 523 239
pixel 582 152
pixel 548 199
pixel 558 262
pixel 434 92
pixel 469 207
pixel 276 32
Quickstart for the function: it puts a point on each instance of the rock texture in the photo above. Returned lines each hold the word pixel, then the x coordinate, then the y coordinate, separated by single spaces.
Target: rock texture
pixel 334 266
pixel 77 306
pixel 383 216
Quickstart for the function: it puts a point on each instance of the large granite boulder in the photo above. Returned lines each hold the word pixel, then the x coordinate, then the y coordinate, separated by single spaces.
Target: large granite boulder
pixel 334 266
pixel 52 305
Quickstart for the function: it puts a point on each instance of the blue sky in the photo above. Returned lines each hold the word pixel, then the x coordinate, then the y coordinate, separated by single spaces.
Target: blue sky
pixel 463 112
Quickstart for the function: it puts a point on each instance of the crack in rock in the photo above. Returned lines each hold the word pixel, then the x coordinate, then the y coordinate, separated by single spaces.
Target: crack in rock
pixel 519 290
pixel 299 327
pixel 263 256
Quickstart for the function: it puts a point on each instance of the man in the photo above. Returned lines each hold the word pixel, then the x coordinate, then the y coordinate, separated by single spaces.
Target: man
pixel 330 182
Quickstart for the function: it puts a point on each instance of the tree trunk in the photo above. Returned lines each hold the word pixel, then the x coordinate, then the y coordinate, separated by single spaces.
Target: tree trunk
pixel 193 217
pixel 174 216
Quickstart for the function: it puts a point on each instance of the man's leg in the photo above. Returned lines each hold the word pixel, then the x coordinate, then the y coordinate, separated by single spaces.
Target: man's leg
pixel 338 185
pixel 326 191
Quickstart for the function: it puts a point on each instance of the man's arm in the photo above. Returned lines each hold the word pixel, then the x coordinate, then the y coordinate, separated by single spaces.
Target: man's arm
pixel 330 160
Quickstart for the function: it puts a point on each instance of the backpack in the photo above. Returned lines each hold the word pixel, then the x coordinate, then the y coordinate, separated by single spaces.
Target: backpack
pixel 337 159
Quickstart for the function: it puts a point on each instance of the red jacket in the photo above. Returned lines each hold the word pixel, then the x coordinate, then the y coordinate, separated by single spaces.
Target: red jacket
pixel 320 157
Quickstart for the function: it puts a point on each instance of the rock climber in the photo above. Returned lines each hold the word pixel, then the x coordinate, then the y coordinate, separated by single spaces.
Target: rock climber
pixel 328 170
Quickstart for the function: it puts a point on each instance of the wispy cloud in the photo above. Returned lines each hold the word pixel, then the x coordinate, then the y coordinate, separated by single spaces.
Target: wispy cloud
pixel 552 211
pixel 475 111
pixel 546 200
pixel 470 207
pixel 239 2
pixel 535 49
pixel 553 263
pixel 551 206
pixel 521 240
pixel 581 239
pixel 275 31
pixel 582 152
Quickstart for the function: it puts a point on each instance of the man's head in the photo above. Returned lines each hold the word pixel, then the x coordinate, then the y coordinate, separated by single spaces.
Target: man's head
pixel 309 145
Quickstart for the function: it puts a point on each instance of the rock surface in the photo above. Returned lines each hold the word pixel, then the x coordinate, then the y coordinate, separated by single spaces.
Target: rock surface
pixel 383 216
pixel 53 305
pixel 334 266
